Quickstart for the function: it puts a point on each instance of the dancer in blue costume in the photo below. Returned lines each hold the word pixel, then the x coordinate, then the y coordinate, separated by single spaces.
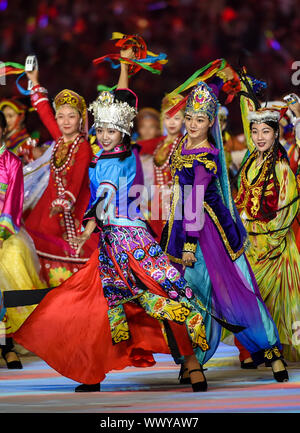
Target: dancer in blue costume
pixel 128 302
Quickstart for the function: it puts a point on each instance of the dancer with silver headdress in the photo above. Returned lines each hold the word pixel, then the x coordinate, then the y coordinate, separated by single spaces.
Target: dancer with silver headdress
pixel 128 302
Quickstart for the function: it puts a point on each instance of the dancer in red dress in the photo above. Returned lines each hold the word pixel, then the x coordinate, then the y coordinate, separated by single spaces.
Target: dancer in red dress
pixel 160 203
pixel 56 218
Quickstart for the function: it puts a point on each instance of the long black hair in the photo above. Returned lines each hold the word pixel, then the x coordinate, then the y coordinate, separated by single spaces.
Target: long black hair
pixel 123 95
pixel 277 152
pixel 127 143
pixel 3 123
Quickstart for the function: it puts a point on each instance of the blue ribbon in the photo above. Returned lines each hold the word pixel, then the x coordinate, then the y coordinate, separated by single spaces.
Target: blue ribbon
pixel 20 88
pixel 153 59
pixel 148 59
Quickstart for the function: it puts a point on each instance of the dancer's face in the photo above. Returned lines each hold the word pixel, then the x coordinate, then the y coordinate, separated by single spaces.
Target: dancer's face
pixel 223 122
pixel 174 123
pixel 68 120
pixel 197 126
pixel 109 138
pixel 148 128
pixel 13 119
pixel 263 136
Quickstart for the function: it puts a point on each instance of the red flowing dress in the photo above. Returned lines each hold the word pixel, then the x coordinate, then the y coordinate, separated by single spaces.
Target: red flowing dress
pixel 85 351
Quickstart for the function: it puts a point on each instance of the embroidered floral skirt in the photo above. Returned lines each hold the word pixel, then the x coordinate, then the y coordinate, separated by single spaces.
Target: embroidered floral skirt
pixel 125 304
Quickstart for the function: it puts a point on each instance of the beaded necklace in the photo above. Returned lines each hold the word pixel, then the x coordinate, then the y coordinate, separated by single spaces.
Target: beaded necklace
pixel 159 171
pixel 60 168
pixel 69 221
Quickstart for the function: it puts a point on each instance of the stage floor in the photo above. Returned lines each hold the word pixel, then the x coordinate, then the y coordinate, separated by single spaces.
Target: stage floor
pixel 39 389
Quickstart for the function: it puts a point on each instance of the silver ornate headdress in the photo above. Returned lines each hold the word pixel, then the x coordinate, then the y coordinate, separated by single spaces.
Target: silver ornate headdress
pixel 112 113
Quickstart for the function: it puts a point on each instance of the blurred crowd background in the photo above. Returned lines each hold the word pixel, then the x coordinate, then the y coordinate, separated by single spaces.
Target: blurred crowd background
pixel 66 35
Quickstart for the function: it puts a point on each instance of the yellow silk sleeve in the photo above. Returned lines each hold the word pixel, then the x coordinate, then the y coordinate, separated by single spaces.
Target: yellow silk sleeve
pixel 247 105
pixel 287 193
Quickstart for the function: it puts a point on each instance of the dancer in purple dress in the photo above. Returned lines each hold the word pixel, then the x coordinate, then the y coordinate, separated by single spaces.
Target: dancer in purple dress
pixel 206 239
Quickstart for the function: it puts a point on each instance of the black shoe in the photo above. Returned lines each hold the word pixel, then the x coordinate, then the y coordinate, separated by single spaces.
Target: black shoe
pixel 183 380
pixel 248 365
pixel 282 375
pixel 12 365
pixel 88 388
pixel 199 386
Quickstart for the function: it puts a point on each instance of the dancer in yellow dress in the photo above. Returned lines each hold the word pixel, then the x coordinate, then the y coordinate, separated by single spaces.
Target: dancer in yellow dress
pixel 268 202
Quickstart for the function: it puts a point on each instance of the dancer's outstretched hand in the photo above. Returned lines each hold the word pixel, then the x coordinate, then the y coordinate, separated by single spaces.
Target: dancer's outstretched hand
pixel 128 53
pixel 229 72
pixel 80 240
pixel 33 76
pixel 295 106
pixel 188 259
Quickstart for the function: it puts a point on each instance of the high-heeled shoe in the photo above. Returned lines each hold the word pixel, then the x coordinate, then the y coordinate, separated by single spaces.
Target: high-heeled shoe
pixel 281 375
pixel 88 388
pixel 248 365
pixel 12 365
pixel 183 380
pixel 199 386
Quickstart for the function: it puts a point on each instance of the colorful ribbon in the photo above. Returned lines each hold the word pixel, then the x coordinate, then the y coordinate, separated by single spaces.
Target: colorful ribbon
pixel 144 59
pixel 231 87
pixel 11 68
pixel 20 88
pixel 201 74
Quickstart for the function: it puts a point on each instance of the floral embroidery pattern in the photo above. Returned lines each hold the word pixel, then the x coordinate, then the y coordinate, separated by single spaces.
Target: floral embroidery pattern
pixel 117 248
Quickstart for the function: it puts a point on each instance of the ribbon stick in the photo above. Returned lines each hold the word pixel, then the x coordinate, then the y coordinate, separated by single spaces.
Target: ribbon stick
pixel 144 59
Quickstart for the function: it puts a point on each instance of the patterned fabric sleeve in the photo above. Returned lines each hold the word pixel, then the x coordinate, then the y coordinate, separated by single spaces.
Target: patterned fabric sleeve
pixel 297 151
pixel 297 130
pixel 10 218
pixel 40 102
pixel 107 186
pixel 288 191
